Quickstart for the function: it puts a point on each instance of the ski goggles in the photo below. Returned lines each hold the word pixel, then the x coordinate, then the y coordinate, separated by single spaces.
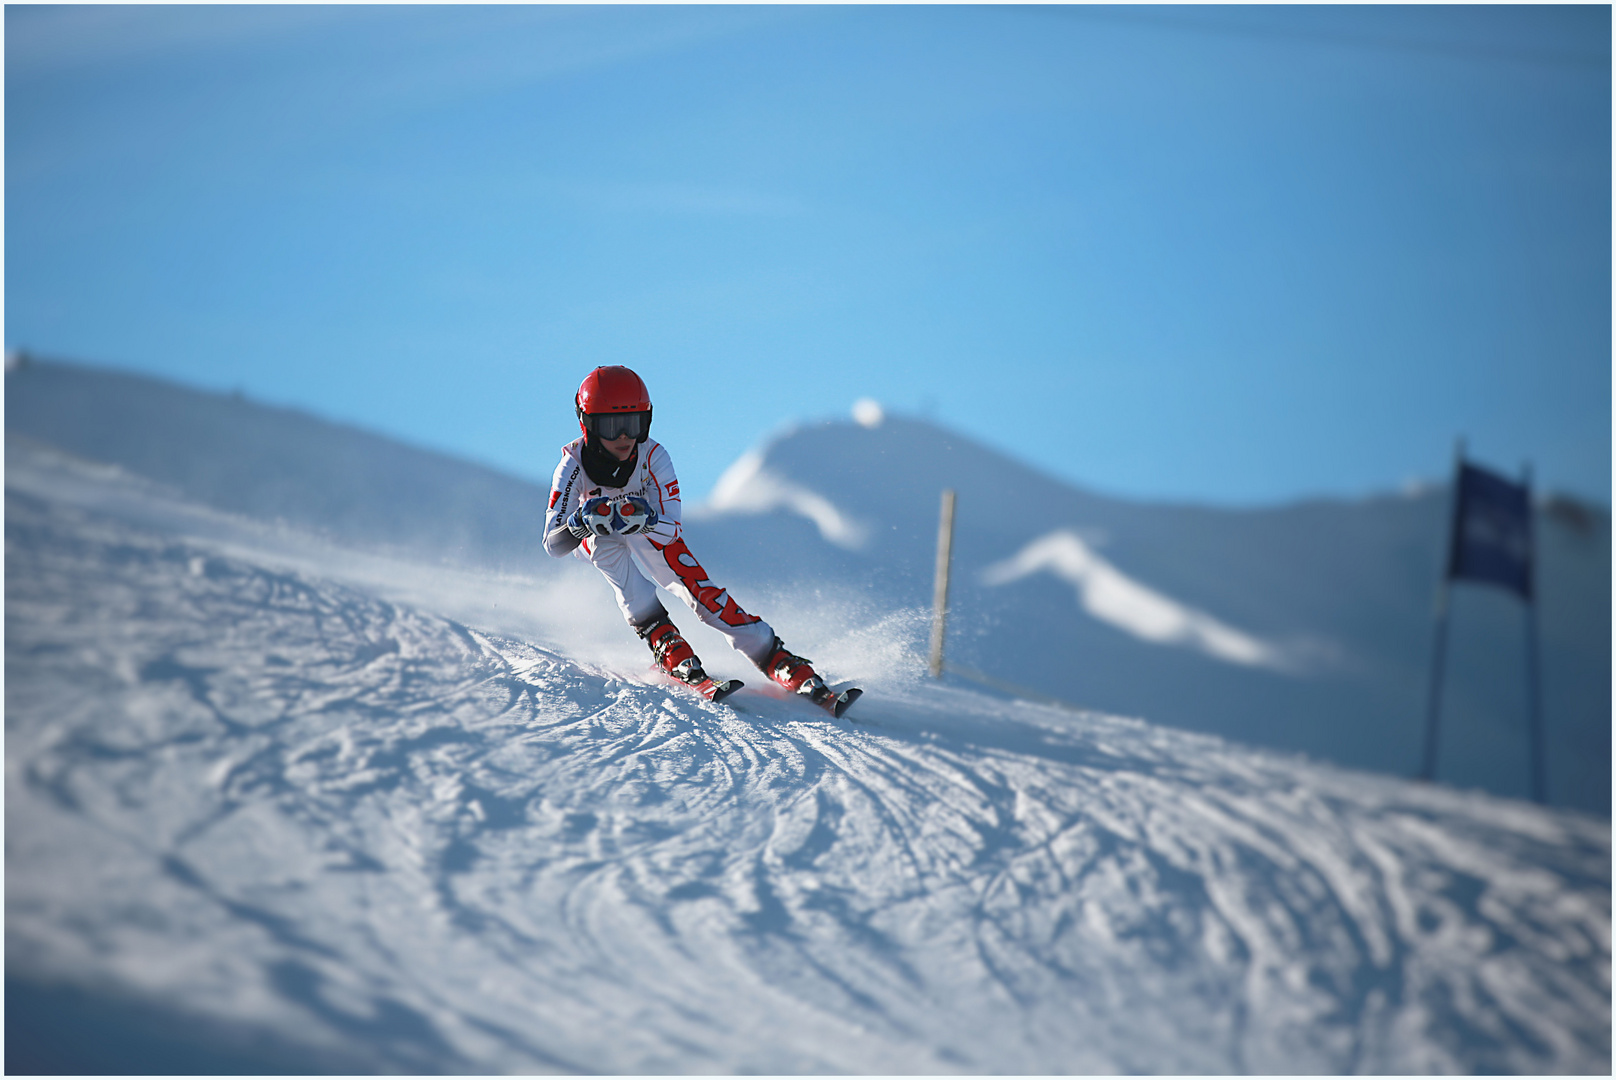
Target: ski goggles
pixel 608 426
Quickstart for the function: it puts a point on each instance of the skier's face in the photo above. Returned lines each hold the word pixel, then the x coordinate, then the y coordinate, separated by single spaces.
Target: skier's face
pixel 620 447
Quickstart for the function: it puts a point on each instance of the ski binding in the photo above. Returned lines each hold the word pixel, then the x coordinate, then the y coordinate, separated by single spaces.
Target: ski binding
pixel 718 691
pixel 696 679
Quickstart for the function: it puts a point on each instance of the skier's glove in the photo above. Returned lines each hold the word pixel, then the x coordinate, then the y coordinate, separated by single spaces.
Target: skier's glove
pixel 635 512
pixel 593 518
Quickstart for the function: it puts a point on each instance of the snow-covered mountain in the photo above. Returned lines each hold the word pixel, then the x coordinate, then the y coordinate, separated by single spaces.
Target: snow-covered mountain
pixel 278 464
pixel 1304 627
pixel 281 799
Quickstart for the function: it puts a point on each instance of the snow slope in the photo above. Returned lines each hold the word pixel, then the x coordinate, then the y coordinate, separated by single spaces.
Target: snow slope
pixel 274 805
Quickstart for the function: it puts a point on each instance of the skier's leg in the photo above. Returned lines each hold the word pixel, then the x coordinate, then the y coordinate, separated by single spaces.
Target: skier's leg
pixel 676 569
pixel 637 599
pixel 636 596
pixel 673 567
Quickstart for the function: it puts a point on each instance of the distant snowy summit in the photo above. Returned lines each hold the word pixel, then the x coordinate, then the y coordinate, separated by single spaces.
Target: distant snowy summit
pixel 1113 597
pixel 750 486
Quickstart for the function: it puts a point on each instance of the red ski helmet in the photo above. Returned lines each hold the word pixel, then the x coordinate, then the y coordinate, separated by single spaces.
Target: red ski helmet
pixel 607 391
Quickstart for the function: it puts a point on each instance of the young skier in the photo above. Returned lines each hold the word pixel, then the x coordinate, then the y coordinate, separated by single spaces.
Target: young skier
pixel 614 502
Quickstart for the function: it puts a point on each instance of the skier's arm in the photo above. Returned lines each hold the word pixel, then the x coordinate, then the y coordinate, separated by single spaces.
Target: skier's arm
pixel 663 495
pixel 559 541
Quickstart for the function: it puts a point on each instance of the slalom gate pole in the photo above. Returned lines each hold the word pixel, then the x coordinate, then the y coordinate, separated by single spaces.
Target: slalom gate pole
pixel 1534 688
pixel 1534 703
pixel 939 601
pixel 1444 588
pixel 1433 711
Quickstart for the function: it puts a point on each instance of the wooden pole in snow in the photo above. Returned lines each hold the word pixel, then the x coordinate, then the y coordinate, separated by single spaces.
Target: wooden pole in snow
pixel 939 602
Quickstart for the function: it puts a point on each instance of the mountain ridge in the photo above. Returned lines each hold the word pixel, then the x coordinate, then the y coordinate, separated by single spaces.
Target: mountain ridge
pixel 274 462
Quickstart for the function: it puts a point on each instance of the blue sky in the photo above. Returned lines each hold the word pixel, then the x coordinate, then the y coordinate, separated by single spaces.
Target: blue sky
pixel 1228 255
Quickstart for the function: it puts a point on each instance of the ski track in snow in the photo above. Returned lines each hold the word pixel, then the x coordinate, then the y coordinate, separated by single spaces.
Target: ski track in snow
pixel 262 797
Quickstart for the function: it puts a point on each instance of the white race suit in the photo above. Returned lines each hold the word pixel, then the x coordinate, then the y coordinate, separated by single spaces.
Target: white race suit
pixel 660 551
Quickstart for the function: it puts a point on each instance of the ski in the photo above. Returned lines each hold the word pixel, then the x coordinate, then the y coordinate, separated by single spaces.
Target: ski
pixel 705 685
pixel 718 691
pixel 834 703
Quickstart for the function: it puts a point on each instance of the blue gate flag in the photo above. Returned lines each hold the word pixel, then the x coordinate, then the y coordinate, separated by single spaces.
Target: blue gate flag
pixel 1492 531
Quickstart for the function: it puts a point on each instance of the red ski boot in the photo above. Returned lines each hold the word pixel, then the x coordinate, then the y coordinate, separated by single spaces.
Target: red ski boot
pixel 798 675
pixel 676 658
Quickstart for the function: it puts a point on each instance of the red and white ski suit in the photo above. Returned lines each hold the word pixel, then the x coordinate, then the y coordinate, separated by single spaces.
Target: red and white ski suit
pixel 660 551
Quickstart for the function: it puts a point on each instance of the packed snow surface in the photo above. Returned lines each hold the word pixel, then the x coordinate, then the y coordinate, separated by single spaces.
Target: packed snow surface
pixel 361 809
